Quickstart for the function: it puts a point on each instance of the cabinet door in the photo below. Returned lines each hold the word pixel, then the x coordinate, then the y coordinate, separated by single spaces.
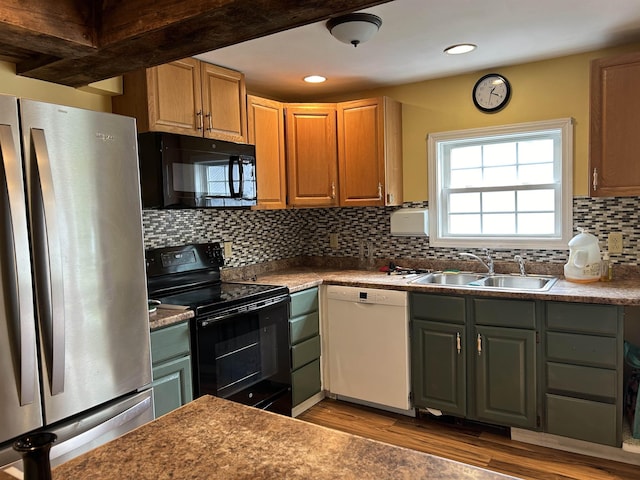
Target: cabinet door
pixel 505 373
pixel 266 132
pixel 224 97
pixel 438 366
pixel 175 103
pixel 614 139
pixel 312 155
pixel 370 152
pixel 171 385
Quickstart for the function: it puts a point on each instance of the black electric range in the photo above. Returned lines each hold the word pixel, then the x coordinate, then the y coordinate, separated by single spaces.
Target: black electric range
pixel 240 332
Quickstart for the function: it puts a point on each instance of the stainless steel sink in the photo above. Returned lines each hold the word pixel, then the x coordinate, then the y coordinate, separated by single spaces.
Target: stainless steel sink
pixel 515 282
pixel 538 283
pixel 448 278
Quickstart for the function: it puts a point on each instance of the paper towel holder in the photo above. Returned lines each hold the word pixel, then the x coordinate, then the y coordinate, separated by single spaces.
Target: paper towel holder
pixel 410 222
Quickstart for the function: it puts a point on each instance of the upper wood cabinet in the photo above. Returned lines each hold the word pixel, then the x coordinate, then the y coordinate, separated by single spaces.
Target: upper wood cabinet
pixel 370 152
pixel 615 126
pixel 187 97
pixel 312 156
pixel 266 132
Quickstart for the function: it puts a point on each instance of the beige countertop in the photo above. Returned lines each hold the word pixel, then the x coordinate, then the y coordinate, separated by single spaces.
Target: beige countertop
pixel 211 438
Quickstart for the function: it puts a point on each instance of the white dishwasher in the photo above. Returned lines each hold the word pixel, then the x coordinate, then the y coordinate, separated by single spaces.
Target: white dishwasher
pixel 368 346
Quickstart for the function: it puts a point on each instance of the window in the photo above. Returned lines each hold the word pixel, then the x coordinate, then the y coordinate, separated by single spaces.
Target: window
pixel 502 187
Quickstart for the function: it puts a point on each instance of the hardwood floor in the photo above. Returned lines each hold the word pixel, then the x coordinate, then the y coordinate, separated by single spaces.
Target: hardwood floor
pixel 486 447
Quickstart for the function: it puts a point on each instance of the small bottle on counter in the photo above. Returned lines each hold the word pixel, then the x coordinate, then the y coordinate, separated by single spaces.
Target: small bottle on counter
pixel 606 270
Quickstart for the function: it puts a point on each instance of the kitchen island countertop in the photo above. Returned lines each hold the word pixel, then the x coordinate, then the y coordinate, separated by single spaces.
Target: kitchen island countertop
pixel 212 438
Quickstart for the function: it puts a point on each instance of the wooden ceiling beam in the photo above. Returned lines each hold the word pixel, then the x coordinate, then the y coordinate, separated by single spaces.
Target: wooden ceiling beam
pixel 143 33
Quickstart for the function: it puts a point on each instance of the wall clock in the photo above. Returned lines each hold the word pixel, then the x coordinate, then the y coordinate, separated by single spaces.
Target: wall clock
pixel 491 93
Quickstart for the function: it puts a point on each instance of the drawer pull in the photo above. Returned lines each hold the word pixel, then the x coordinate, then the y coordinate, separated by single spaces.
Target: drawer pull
pixel 479 345
pixel 458 343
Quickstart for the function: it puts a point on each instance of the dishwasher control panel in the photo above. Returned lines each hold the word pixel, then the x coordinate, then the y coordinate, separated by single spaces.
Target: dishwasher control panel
pixel 367 295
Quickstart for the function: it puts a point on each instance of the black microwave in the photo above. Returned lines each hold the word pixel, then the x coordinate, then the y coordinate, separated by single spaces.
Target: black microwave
pixel 178 171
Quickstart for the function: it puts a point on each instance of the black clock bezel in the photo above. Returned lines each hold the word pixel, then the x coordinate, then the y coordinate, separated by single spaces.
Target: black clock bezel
pixel 497 107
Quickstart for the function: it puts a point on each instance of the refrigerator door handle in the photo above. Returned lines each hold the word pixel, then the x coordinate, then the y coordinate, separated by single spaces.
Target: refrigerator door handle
pixel 54 325
pixel 22 264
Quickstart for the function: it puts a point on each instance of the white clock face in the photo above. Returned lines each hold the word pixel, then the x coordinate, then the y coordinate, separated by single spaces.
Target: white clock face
pixel 491 93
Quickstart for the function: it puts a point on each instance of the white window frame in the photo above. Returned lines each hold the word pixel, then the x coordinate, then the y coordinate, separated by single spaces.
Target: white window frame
pixel 564 199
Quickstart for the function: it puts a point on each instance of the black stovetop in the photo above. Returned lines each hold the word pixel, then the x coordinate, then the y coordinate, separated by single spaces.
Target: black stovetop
pixel 189 275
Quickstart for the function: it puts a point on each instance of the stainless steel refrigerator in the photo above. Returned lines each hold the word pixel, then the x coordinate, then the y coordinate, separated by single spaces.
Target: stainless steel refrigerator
pixel 74 333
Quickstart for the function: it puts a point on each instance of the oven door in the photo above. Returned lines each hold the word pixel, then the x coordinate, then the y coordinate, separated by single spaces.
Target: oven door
pixel 244 357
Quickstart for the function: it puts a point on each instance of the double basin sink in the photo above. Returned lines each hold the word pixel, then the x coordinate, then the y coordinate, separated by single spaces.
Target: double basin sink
pixel 537 283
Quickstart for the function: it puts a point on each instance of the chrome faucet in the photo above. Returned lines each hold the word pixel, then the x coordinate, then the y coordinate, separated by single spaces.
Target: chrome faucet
pixel 520 261
pixel 489 263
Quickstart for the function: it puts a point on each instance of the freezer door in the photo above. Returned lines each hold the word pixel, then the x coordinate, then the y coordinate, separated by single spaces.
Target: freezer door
pixel 86 232
pixel 20 409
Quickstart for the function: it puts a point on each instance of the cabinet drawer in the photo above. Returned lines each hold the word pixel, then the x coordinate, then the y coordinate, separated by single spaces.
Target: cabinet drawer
pixel 305 382
pixel 582 349
pixel 170 342
pixel 505 313
pixel 303 326
pixel 583 318
pixel 439 308
pixel 582 419
pixel 574 379
pixel 305 352
pixel 303 302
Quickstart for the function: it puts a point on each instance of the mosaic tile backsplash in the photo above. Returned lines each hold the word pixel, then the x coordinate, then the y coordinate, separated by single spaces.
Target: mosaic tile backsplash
pixel 363 232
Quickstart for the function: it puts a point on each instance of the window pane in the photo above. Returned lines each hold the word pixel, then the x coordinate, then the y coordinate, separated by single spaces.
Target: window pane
pixel 500 176
pixel 536 224
pixel 466 157
pixel 499 154
pixel 466 178
pixel 464 224
pixel 464 202
pixel 499 201
pixel 532 174
pixel 535 151
pixel 499 224
pixel 536 200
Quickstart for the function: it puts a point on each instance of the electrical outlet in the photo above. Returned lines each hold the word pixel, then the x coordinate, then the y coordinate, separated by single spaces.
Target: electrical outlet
pixel 333 240
pixel 614 243
pixel 228 249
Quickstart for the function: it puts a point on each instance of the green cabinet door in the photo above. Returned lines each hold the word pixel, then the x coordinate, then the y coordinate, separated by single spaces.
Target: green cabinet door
pixel 171 385
pixel 505 376
pixel 438 366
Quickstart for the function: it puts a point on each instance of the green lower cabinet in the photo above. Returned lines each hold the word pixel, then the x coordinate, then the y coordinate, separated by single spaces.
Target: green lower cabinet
pixel 171 366
pixel 505 383
pixel 584 372
pixel 439 366
pixel 304 336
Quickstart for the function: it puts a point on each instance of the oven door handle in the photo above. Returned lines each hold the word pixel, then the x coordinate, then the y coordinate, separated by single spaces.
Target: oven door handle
pixel 224 315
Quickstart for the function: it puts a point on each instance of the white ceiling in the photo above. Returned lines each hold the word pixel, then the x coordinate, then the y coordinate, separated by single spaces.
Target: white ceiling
pixel 409 46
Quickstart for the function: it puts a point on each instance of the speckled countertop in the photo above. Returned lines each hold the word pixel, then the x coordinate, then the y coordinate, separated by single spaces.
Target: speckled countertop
pixel 617 292
pixel 211 439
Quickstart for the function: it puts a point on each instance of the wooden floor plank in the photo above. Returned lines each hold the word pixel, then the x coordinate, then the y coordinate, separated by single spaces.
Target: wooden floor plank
pixel 473 444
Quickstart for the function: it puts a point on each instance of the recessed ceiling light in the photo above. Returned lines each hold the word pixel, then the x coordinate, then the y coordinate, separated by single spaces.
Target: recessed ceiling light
pixel 315 79
pixel 459 49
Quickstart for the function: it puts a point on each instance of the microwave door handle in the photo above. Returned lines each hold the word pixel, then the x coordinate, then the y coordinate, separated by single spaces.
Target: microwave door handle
pixel 241 181
pixel 23 292
pixel 232 191
pixel 54 325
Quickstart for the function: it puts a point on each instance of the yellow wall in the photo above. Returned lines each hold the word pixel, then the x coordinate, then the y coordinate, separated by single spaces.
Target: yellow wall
pixel 12 84
pixel 544 90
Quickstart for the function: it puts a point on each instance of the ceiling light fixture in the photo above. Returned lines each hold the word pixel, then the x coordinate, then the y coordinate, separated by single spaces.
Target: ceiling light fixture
pixel 460 49
pixel 354 28
pixel 315 79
